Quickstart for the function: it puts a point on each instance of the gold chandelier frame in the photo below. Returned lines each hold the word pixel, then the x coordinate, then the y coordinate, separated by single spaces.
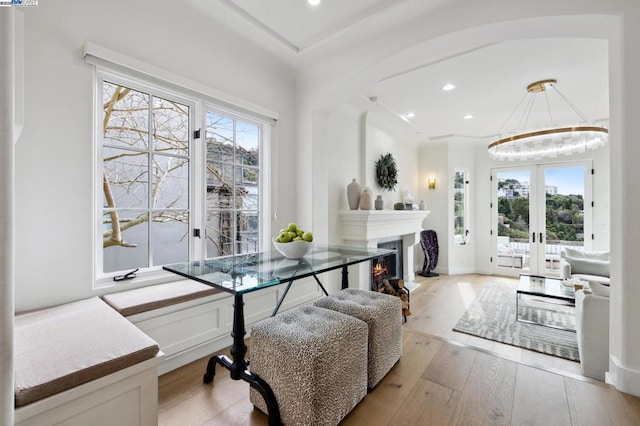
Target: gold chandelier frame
pixel 529 144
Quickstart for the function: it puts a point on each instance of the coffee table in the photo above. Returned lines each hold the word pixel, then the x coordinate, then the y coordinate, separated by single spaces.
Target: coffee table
pixel 544 289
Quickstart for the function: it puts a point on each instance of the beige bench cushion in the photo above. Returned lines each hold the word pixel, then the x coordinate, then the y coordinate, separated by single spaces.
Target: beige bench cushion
pixel 65 346
pixel 144 299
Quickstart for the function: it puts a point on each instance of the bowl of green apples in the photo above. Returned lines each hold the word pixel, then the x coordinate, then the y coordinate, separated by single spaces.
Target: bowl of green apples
pixel 293 242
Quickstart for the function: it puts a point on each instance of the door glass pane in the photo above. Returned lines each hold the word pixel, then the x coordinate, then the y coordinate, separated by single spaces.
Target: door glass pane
pixel 564 213
pixel 459 207
pixel 513 249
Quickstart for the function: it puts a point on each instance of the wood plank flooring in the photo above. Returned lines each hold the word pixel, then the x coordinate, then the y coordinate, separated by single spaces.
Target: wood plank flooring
pixel 443 378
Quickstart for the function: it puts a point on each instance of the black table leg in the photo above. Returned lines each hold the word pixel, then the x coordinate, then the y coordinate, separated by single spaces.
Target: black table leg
pixel 286 290
pixel 345 277
pixel 320 284
pixel 238 366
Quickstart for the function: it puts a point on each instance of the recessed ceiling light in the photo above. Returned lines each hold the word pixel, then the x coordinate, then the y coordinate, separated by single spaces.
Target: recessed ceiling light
pixel 411 114
pixel 448 87
pixel 468 117
pixel 314 2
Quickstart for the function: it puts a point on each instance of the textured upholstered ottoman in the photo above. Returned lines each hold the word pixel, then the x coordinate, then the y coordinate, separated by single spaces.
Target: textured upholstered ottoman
pixel 315 361
pixel 383 315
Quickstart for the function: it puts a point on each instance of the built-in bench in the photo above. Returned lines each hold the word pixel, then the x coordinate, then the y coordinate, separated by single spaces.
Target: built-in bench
pixel 191 320
pixel 84 363
pixel 132 302
pixel 185 317
pixel 97 361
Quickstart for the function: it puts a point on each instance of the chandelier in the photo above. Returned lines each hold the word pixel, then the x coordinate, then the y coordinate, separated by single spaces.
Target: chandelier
pixel 546 142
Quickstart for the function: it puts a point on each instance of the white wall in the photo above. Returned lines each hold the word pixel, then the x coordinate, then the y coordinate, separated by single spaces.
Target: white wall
pixel 54 161
pixel 433 161
pixel 344 134
pixel 7 216
pixel 357 133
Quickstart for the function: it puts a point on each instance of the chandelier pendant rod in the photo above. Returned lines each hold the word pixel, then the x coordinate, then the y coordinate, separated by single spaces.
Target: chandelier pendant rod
pixel 546 97
pixel 511 115
pixel 523 126
pixel 571 105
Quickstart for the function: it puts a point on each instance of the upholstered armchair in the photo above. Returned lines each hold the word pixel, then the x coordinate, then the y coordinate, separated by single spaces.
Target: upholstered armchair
pixel 586 266
pixel 592 330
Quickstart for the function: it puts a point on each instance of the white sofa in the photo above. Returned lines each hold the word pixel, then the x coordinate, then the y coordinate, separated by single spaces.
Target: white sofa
pixel 585 265
pixel 507 255
pixel 592 329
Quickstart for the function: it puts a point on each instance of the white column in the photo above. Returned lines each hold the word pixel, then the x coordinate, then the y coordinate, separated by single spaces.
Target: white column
pixel 624 363
pixel 7 122
pixel 408 242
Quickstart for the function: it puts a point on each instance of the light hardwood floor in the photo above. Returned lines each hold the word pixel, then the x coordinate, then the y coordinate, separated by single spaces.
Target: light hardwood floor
pixel 443 378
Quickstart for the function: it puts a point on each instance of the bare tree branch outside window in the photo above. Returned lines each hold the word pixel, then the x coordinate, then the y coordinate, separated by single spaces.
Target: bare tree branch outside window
pixel 145 152
pixel 145 179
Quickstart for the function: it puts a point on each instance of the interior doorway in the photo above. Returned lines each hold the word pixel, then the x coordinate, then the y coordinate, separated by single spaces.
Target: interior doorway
pixel 537 211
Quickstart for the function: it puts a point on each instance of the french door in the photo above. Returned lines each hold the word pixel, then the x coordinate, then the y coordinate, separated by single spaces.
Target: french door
pixel 537 211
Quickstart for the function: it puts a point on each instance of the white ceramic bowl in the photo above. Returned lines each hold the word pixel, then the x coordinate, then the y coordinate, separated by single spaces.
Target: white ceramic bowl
pixel 293 249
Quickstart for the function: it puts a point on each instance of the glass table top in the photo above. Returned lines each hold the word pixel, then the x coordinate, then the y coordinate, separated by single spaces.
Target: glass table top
pixel 249 272
pixel 545 286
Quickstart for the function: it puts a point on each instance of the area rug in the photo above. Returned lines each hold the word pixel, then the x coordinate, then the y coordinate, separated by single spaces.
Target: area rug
pixel 492 316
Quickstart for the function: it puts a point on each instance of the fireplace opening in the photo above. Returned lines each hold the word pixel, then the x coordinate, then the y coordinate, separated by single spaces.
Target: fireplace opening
pixel 387 267
pixel 386 275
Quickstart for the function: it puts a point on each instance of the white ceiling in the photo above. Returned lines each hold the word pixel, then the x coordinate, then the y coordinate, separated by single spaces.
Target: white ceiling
pixel 490 81
pixel 300 26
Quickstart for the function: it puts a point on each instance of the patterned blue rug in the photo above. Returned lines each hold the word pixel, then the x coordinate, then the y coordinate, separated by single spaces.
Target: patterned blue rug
pixel 492 316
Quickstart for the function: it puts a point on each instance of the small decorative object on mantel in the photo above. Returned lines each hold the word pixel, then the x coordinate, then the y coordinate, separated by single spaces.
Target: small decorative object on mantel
pixel 366 200
pixel 423 205
pixel 398 206
pixel 353 194
pixel 387 172
pixel 379 203
pixel 409 201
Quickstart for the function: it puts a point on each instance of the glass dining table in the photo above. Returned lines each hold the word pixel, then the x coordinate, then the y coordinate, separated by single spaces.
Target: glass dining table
pixel 246 273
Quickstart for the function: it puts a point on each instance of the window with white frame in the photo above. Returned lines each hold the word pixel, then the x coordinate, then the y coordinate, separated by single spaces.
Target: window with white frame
pixel 233 185
pixel 171 193
pixel 460 206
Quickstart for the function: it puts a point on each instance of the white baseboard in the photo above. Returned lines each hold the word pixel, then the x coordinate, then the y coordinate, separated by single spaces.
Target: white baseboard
pixel 624 379
pixel 462 270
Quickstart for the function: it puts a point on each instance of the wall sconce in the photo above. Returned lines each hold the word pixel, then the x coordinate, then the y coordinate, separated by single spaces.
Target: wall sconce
pixel 431 182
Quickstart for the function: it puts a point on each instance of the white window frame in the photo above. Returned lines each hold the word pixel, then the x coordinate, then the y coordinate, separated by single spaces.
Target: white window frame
pixel 464 238
pixel 198 103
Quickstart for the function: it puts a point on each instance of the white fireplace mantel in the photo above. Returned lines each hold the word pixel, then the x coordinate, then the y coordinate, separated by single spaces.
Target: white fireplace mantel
pixel 369 227
pixel 374 225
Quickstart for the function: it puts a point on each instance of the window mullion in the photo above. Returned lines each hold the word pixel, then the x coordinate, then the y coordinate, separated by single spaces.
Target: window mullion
pixel 197 182
pixel 151 180
pixel 234 200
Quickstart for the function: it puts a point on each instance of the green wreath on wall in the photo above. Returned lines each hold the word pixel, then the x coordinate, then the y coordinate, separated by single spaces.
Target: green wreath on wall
pixel 387 172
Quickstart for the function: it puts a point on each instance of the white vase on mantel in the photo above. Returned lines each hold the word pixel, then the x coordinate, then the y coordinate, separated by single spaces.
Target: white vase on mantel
pixel 353 194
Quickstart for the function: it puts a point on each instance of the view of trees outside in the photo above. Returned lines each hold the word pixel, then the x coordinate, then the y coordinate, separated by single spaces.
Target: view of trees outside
pixel 564 212
pixel 145 179
pixel 146 170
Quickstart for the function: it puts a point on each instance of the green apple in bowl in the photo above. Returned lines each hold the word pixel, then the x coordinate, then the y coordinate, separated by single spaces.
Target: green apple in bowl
pixel 293 242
